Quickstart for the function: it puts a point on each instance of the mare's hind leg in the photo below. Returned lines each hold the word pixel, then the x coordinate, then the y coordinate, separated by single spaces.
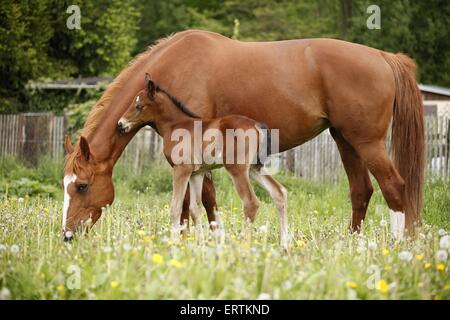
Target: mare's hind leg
pixel 391 183
pixel 278 193
pixel 240 176
pixel 358 178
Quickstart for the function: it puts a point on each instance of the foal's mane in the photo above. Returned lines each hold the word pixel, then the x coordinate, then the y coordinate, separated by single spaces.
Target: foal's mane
pixel 98 112
pixel 177 103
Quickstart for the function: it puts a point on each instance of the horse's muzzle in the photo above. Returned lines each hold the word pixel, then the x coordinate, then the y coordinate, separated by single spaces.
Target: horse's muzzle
pixel 68 236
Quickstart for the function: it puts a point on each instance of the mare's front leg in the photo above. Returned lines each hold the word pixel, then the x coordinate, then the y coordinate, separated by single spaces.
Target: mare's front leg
pixel 181 175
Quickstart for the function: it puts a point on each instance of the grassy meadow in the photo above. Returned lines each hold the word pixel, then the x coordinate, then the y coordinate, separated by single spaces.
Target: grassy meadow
pixel 129 253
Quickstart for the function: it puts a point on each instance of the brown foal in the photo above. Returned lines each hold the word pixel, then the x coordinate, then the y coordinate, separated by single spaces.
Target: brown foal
pixel 241 158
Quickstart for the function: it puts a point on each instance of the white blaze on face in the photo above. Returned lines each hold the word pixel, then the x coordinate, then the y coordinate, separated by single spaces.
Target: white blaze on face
pixel 68 179
pixel 397 224
pixel 137 99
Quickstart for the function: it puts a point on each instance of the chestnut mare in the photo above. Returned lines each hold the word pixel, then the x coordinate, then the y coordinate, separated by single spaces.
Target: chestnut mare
pixel 240 145
pixel 301 87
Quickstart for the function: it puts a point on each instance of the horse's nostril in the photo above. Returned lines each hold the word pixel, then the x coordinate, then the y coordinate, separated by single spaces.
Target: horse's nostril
pixel 67 239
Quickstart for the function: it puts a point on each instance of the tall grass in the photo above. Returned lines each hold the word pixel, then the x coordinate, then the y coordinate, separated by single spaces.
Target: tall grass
pixel 130 254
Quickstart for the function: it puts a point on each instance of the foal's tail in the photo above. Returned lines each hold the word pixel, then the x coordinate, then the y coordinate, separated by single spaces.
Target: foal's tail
pixel 408 143
pixel 265 142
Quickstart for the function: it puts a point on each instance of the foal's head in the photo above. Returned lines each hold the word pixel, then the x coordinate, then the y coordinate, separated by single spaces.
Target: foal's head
pixel 143 109
pixel 88 188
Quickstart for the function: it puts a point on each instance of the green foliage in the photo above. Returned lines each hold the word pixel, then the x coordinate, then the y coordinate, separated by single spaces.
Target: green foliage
pixel 77 114
pixel 19 180
pixel 35 44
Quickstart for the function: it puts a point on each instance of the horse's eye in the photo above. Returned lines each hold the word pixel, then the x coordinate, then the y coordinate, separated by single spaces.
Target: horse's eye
pixel 139 107
pixel 82 187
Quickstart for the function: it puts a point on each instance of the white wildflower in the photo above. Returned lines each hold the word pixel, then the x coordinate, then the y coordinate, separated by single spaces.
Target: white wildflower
pixel 107 249
pixel 361 249
pixel 8 216
pixel 287 285
pixel 5 294
pixel 2 248
pixel 264 296
pixel 372 245
pixel 14 249
pixel 126 247
pixel 20 200
pixel 442 232
pixel 383 223
pixel 444 243
pixel 405 255
pixel 441 255
pixel 263 229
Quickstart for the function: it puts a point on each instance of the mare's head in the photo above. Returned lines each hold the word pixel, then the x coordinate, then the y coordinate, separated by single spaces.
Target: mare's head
pixel 87 188
pixel 143 108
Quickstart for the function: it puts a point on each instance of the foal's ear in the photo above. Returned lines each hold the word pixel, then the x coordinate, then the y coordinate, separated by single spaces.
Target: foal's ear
pixel 151 87
pixel 68 144
pixel 84 147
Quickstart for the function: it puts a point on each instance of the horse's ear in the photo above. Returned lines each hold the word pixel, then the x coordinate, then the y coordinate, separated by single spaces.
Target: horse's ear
pixel 84 147
pixel 68 144
pixel 151 87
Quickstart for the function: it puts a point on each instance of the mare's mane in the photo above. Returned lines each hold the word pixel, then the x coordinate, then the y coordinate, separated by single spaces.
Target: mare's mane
pixel 101 107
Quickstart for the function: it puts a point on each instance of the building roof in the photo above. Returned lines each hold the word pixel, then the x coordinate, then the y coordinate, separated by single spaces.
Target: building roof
pixel 78 83
pixel 434 89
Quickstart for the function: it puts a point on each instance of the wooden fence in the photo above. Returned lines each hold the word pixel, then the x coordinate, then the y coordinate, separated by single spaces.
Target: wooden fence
pixel 32 135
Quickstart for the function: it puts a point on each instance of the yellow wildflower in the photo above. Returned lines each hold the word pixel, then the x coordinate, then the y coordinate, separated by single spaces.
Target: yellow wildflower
pixel 299 244
pixel 175 263
pixel 157 258
pixel 440 266
pixel 351 285
pixel 385 252
pixel 60 288
pixel 141 232
pixel 447 287
pixel 427 265
pixel 147 239
pixel 114 284
pixel 382 286
pixel 419 257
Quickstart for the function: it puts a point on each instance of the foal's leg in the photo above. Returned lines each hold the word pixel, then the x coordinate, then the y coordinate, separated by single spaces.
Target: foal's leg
pixel 195 187
pixel 278 193
pixel 208 200
pixel 181 175
pixel 358 178
pixel 240 176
